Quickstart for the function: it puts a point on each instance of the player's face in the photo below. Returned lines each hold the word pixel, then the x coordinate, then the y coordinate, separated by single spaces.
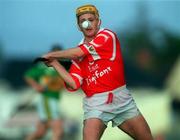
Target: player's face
pixel 92 30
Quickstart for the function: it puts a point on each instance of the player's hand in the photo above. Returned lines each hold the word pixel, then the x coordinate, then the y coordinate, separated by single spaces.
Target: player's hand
pixel 48 62
pixel 47 56
pixel 51 62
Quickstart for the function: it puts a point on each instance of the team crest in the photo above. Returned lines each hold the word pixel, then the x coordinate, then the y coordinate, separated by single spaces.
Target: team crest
pixel 91 49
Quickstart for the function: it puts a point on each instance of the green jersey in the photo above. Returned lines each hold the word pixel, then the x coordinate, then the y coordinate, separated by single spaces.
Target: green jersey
pixel 48 78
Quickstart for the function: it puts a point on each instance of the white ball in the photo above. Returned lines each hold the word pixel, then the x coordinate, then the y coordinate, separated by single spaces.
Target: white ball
pixel 85 24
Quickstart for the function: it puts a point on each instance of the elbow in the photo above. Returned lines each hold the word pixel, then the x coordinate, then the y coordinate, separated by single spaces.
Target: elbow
pixel 72 83
pixel 73 86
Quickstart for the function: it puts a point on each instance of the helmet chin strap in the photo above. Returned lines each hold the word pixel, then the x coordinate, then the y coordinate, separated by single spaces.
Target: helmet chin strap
pixel 99 23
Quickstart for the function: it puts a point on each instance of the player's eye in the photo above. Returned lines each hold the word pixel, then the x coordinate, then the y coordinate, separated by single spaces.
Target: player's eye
pixel 91 19
pixel 82 20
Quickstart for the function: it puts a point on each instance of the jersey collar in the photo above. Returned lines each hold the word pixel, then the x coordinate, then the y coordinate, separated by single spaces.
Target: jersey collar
pixel 82 40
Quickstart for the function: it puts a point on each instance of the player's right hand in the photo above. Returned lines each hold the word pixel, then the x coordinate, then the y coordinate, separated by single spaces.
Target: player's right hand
pixel 47 56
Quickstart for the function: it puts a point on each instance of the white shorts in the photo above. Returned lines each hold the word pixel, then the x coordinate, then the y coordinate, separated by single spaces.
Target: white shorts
pixel 48 108
pixel 120 107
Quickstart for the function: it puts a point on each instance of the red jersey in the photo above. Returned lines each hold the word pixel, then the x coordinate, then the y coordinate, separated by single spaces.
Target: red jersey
pixel 102 67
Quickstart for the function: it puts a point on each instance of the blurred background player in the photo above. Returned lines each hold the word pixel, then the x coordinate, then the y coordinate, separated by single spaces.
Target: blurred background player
pixel 46 81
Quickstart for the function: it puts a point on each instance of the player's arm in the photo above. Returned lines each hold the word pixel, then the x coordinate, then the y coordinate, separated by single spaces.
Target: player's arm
pixel 34 84
pixel 64 74
pixel 71 53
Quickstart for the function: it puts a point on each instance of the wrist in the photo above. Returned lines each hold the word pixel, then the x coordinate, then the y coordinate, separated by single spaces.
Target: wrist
pixel 54 62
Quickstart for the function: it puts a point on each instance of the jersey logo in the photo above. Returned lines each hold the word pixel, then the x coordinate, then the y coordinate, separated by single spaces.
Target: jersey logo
pixel 91 49
pixel 97 74
pixel 92 67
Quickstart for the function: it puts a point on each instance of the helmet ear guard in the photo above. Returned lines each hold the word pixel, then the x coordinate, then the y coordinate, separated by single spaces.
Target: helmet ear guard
pixel 99 22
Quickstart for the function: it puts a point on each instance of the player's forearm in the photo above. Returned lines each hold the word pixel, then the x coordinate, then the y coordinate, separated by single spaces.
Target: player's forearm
pixel 71 53
pixel 65 75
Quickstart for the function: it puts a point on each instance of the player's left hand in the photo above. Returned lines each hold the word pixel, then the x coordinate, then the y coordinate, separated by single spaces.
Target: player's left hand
pixel 51 62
